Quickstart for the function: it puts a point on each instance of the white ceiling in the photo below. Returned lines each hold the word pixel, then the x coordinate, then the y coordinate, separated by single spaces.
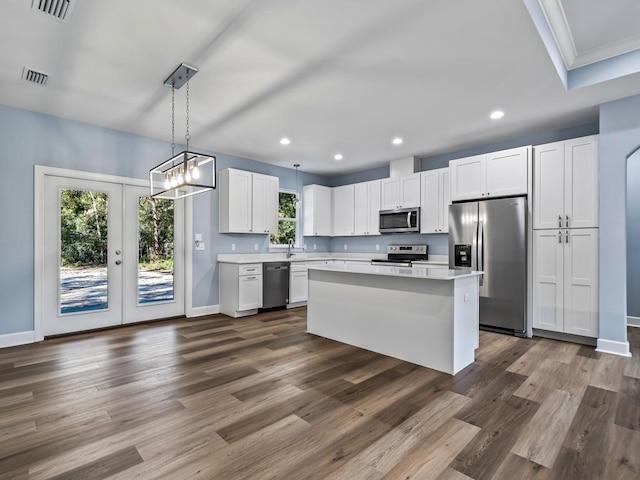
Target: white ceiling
pixel 333 75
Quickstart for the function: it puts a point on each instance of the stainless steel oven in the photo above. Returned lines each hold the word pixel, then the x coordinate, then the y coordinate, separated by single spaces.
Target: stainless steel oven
pixel 400 220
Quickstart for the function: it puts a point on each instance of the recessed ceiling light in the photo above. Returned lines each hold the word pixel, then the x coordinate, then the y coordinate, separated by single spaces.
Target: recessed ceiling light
pixel 285 141
pixel 338 156
pixel 495 115
pixel 397 141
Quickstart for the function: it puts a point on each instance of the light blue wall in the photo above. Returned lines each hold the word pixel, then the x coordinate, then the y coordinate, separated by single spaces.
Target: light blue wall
pixel 364 176
pixel 535 138
pixel 28 139
pixel 633 235
pixel 438 243
pixel 619 138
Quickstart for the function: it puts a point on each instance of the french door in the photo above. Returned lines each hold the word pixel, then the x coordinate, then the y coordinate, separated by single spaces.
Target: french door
pixel 108 255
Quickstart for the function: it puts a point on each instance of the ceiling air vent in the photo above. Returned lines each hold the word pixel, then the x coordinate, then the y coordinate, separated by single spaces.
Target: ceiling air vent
pixel 34 77
pixel 60 9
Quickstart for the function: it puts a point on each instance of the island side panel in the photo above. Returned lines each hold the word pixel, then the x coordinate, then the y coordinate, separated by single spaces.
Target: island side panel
pixel 406 318
pixel 466 322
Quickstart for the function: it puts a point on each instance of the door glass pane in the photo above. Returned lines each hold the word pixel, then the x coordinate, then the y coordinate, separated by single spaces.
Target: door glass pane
pixel 155 250
pixel 83 251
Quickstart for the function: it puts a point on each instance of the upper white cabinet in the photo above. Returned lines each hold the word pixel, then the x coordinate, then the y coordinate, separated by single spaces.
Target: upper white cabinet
pixel 566 184
pixel 343 211
pixel 565 281
pixel 400 192
pixel 497 174
pixel 248 202
pixel 367 208
pixel 317 210
pixel 435 201
pixel 265 204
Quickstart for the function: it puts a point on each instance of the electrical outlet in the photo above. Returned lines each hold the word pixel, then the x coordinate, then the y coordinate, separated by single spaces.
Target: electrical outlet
pixel 467 296
pixel 377 247
pixel 345 246
pixel 314 246
pixel 255 246
pixel 233 247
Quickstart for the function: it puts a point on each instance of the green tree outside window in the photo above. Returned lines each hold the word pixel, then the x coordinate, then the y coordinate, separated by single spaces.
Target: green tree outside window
pixel 287 219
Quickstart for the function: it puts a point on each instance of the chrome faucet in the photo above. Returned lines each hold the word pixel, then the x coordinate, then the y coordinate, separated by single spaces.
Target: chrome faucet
pixel 290 246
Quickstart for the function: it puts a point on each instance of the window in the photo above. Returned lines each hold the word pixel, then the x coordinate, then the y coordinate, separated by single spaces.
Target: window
pixel 287 219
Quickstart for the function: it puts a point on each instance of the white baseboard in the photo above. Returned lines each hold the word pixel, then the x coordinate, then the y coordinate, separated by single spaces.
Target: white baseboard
pixel 201 311
pixel 613 347
pixel 633 321
pixel 18 338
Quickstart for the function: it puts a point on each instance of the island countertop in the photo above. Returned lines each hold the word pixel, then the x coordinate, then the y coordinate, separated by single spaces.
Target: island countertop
pixel 406 272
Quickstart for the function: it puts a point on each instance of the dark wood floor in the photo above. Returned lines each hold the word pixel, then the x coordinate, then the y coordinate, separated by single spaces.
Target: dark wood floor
pixel 258 398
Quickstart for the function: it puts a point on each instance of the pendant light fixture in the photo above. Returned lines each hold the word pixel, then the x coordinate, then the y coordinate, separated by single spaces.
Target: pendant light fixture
pixel 186 173
pixel 296 165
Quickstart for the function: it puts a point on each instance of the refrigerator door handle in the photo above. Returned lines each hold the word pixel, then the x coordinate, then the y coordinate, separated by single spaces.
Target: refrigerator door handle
pixel 480 249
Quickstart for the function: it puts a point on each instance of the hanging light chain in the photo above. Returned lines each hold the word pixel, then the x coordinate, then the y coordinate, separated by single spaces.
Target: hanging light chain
pixel 188 135
pixel 173 120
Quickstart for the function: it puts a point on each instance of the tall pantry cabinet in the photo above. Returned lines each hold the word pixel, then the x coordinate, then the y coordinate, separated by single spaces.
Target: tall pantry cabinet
pixel 565 239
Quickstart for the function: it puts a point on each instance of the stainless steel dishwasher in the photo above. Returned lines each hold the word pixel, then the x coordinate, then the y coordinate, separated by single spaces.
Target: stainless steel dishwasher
pixel 275 284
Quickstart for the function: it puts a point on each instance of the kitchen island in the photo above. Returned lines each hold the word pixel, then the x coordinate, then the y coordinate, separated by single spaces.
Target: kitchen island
pixel 426 316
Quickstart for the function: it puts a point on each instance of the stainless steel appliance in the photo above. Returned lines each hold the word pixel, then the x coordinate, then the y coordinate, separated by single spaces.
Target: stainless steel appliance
pixel 402 255
pixel 400 220
pixel 275 284
pixel 491 235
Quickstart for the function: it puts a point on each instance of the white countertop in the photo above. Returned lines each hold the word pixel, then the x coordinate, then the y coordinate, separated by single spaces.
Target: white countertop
pixel 241 258
pixel 407 272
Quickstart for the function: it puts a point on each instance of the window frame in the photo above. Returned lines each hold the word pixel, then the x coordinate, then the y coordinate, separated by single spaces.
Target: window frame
pixel 298 237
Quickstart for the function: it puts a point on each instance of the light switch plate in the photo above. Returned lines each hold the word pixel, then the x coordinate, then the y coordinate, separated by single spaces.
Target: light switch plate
pixel 233 247
pixel 199 245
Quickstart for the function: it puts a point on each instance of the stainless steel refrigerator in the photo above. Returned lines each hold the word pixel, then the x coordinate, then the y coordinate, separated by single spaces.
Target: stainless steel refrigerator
pixel 491 235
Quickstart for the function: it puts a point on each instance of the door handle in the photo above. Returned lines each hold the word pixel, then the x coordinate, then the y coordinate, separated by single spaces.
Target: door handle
pixel 566 238
pixel 560 220
pixel 408 219
pixel 480 249
pixel 118 262
pixel 559 236
pixel 567 220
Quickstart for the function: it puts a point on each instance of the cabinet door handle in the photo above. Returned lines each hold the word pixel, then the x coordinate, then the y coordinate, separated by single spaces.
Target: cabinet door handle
pixel 567 220
pixel 560 220
pixel 559 236
pixel 251 278
pixel 566 238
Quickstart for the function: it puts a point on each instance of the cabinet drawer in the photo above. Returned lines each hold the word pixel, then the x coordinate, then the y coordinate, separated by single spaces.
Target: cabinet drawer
pixel 250 269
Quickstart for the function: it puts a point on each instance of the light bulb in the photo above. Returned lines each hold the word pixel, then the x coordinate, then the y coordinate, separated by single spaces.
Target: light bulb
pixel 187 176
pixel 167 183
pixel 174 181
pixel 195 173
pixel 180 179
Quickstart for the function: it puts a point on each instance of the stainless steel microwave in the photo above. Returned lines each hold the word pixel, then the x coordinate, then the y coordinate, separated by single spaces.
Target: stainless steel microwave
pixel 400 220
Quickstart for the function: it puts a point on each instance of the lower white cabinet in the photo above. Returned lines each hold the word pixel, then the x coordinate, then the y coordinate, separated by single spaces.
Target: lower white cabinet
pixel 565 275
pixel 298 283
pixel 240 288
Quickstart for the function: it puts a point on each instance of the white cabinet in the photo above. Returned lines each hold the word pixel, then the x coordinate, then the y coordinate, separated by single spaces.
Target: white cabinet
pixel 367 208
pixel 248 202
pixel 298 282
pixel 565 274
pixel 265 204
pixel 566 184
pixel 400 192
pixel 317 210
pixel 435 201
pixel 343 211
pixel 240 288
pixel 498 174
